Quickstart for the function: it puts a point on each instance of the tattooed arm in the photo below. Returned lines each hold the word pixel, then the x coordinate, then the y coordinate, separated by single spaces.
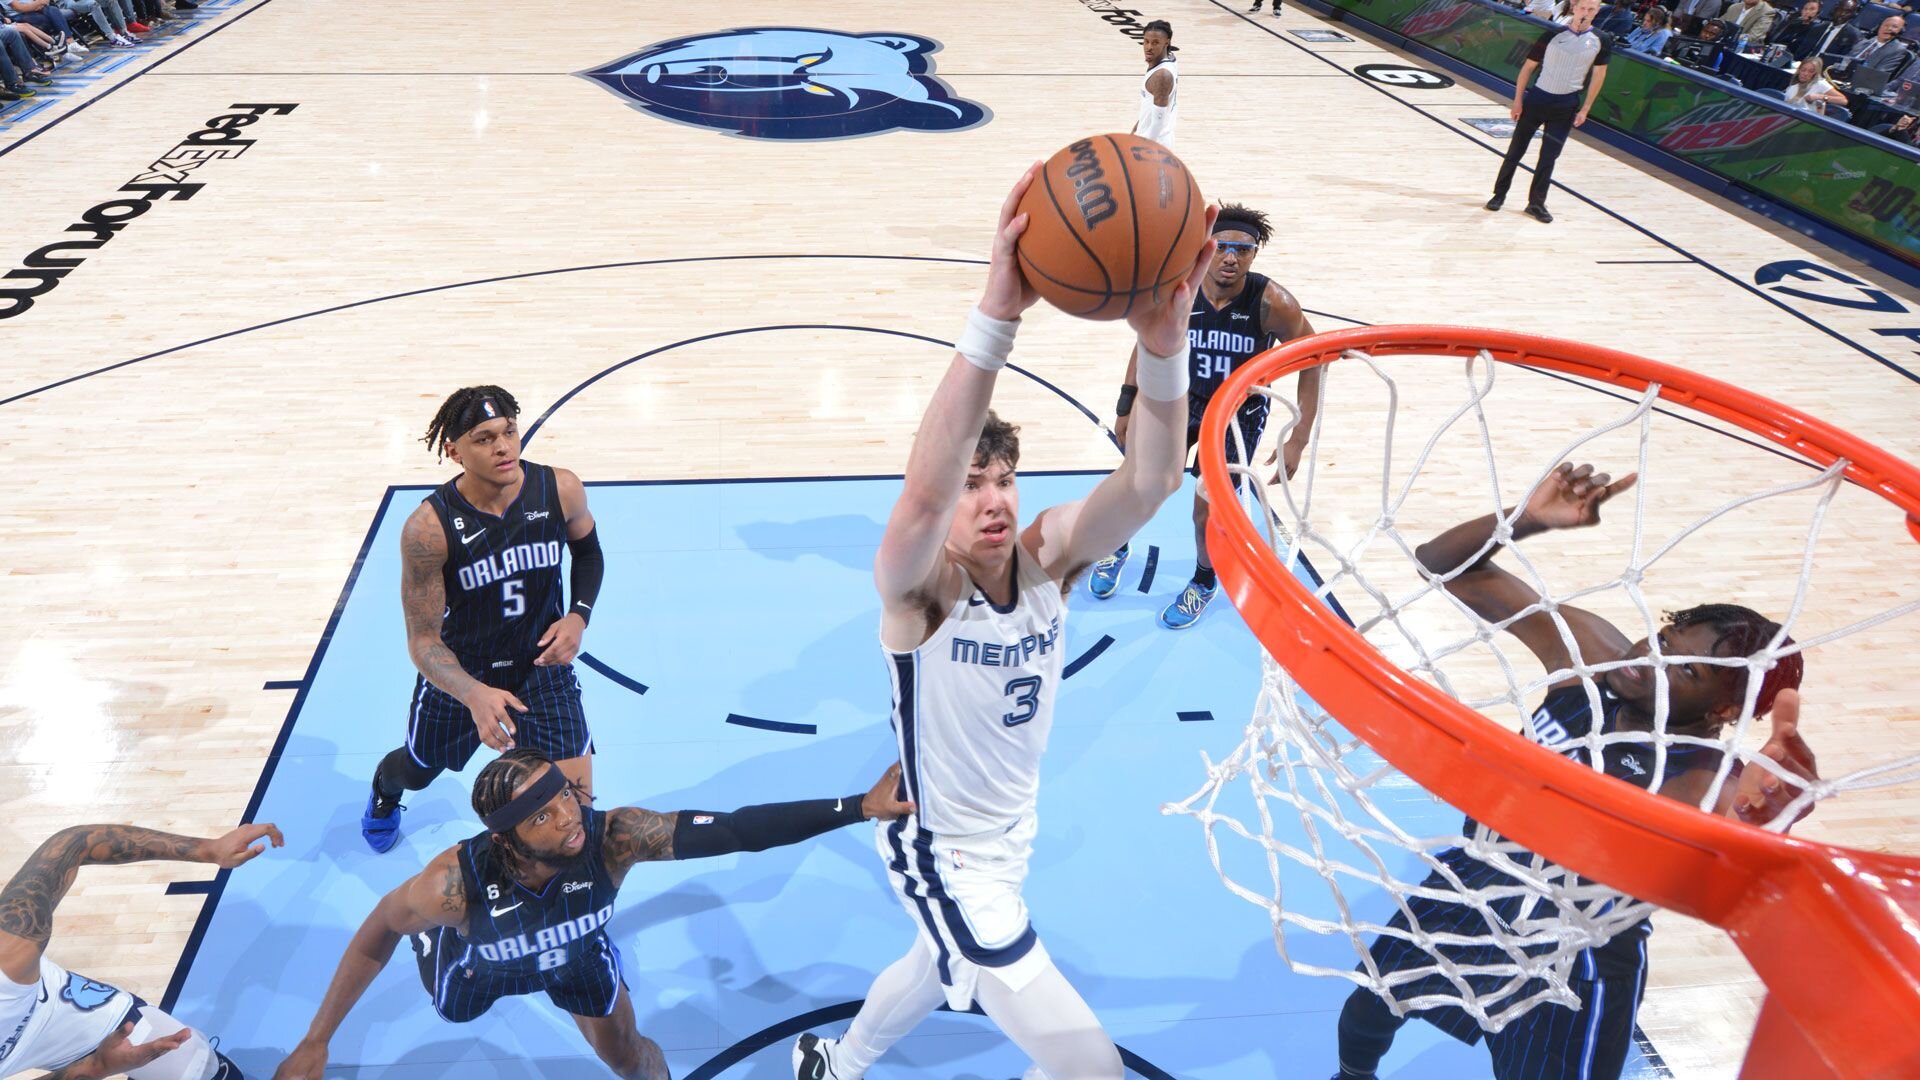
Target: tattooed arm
pixel 423 595
pixel 636 835
pixel 27 903
pixel 437 896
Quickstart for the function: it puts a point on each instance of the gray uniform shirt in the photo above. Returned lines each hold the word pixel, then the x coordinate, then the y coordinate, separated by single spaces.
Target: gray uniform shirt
pixel 1565 58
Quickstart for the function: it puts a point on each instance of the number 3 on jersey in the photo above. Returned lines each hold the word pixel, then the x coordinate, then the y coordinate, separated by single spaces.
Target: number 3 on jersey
pixel 1025 692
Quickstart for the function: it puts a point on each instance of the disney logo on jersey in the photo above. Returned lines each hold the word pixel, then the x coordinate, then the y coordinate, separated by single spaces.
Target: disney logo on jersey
pixel 576 886
pixel 791 82
pixel 538 515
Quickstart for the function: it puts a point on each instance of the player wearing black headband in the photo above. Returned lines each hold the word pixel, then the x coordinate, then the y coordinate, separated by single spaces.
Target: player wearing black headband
pixel 523 907
pixel 487 623
pixel 1236 314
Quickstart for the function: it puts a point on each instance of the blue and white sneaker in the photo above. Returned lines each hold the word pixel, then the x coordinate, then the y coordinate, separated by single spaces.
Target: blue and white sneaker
pixel 1187 608
pixel 813 1059
pixel 380 823
pixel 1105 579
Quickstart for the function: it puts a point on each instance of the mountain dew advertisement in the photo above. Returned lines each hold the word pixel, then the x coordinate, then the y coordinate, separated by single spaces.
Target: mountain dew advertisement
pixel 1856 183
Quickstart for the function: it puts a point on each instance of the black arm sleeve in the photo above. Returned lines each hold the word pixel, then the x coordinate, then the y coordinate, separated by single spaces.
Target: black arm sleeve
pixel 589 566
pixel 700 834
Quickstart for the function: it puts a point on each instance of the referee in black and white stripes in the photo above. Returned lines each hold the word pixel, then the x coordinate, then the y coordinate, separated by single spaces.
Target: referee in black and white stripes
pixel 1564 57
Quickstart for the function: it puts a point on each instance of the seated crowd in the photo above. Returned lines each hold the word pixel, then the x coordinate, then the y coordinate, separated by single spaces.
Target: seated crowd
pixel 37 36
pixel 1837 56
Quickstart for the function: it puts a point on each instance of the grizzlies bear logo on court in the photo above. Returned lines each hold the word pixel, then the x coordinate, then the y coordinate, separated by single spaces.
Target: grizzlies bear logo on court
pixel 86 994
pixel 784 82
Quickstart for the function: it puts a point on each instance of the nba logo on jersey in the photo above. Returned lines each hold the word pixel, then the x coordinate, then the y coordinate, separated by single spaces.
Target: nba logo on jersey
pixel 789 82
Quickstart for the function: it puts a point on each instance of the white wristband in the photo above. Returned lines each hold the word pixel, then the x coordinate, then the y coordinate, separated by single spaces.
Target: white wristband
pixel 987 342
pixel 1162 378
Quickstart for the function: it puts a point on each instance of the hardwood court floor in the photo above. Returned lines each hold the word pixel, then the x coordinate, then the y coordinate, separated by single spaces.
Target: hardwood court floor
pixel 202 417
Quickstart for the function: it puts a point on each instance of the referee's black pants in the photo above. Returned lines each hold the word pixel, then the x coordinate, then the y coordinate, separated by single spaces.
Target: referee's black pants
pixel 1538 109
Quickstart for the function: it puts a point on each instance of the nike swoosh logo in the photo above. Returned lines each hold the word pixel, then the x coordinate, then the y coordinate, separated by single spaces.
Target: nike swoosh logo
pixel 976 600
pixel 499 911
pixel 475 536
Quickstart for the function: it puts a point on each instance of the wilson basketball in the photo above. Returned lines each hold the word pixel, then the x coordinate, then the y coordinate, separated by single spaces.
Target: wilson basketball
pixel 1114 222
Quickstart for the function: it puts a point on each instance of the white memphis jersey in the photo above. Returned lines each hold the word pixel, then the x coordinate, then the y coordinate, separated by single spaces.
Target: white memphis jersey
pixel 973 705
pixel 56 1021
pixel 1156 123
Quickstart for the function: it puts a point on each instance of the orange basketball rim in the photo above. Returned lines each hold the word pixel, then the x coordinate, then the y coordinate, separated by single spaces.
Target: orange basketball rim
pixel 1834 932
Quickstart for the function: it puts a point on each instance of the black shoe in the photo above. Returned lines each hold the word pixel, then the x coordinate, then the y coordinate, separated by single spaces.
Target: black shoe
pixel 1276 8
pixel 1256 6
pixel 1496 202
pixel 1539 213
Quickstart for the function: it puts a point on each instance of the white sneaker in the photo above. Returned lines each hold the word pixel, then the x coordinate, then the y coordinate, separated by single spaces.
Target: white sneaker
pixel 74 48
pixel 813 1059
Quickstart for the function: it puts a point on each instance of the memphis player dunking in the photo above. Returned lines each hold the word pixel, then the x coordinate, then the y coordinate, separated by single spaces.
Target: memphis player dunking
pixel 522 908
pixel 1553 1042
pixel 972 608
pixel 484 605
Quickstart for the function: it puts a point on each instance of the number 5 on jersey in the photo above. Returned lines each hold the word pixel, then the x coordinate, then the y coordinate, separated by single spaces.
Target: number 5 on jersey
pixel 512 604
pixel 1025 692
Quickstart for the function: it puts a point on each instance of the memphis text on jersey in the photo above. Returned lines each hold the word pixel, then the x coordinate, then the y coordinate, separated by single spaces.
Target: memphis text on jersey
pixel 1010 654
pixel 504 564
pixel 545 939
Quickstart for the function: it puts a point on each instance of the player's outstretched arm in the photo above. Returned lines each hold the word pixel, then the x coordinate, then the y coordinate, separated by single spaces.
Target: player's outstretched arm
pixel 118 1053
pixel 1569 498
pixel 636 835
pixel 27 903
pixel 561 643
pixel 1069 536
pixel 909 560
pixel 1758 794
pixel 437 896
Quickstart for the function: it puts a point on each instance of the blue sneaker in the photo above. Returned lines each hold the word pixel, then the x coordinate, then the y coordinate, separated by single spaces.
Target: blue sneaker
pixel 1186 610
pixel 1105 578
pixel 380 823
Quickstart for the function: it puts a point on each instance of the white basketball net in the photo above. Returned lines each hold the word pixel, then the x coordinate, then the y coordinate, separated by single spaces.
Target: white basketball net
pixel 1329 816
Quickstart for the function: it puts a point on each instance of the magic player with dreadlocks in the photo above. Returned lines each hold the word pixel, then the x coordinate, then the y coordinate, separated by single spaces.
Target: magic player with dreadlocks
pixel 480 583
pixel 1550 1041
pixel 522 908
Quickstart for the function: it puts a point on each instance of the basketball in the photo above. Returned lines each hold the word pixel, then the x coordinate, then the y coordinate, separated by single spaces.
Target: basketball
pixel 1114 222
